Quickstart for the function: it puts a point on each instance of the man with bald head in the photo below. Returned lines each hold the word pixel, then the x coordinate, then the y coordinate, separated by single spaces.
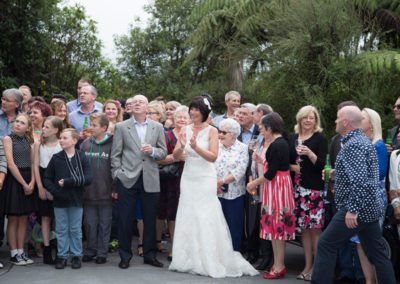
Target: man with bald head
pixel 138 143
pixel 358 202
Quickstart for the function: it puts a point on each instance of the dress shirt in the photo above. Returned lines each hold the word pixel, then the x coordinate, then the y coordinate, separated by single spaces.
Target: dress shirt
pixel 141 129
pixel 217 120
pixel 247 134
pixel 233 160
pixel 75 104
pixel 77 117
pixel 357 178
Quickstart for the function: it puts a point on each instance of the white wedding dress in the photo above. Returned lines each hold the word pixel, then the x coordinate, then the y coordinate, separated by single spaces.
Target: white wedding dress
pixel 202 242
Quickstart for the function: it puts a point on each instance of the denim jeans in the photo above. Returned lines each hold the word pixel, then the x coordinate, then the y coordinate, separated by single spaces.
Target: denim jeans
pixel 336 235
pixel 68 231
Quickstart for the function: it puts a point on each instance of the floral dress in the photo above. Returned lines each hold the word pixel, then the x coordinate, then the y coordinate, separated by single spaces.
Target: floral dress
pixel 278 221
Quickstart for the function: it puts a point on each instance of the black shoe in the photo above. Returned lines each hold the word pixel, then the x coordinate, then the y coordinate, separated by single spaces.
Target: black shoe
pixel 47 256
pixel 123 264
pixel 252 257
pixel 153 262
pixel 61 263
pixel 76 262
pixel 265 264
pixel 345 280
pixel 87 258
pixel 101 260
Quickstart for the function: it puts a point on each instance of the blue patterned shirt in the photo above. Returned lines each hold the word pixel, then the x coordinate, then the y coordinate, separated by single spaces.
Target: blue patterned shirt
pixel 357 178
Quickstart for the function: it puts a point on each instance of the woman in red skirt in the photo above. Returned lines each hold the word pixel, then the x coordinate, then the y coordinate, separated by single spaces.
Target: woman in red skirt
pixel 277 212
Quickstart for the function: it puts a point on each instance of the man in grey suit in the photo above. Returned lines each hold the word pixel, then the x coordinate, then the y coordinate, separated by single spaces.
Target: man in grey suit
pixel 138 143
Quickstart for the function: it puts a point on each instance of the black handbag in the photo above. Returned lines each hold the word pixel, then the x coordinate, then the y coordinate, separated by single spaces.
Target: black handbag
pixel 168 171
pixel 172 170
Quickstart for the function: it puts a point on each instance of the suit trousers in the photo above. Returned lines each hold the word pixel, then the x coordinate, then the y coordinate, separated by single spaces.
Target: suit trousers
pixel 336 235
pixel 126 214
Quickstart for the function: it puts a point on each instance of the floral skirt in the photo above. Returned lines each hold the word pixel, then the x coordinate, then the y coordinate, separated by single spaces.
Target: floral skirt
pixel 310 210
pixel 278 221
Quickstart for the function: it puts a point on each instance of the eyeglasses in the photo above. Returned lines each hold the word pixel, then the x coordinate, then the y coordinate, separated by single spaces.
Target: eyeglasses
pixel 223 132
pixel 138 102
pixel 153 112
pixel 396 106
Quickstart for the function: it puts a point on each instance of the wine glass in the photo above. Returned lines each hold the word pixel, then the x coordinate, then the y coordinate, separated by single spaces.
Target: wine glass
pixel 253 144
pixel 297 143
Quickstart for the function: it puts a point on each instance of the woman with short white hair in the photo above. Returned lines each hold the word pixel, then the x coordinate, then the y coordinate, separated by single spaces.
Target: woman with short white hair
pixel 231 167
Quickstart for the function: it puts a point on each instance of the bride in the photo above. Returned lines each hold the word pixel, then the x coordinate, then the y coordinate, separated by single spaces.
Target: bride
pixel 202 243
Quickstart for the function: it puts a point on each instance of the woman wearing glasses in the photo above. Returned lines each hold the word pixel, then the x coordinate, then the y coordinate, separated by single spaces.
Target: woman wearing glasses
pixel 231 167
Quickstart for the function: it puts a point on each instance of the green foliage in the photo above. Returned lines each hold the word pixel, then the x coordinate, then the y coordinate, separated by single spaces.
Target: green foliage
pixel 49 48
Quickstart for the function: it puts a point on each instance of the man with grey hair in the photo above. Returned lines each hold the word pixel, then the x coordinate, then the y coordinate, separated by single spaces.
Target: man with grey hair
pixel 358 200
pixel 261 110
pixel 75 104
pixel 232 102
pixel 80 118
pixel 10 105
pixel 249 130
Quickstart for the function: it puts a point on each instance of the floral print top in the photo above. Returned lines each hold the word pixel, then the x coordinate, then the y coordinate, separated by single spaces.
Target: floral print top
pixel 233 160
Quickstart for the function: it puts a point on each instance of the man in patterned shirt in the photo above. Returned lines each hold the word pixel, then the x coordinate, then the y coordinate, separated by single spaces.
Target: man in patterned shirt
pixel 357 198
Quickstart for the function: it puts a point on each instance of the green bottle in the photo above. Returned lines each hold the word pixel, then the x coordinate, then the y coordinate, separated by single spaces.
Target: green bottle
pixel 389 138
pixel 327 169
pixel 86 123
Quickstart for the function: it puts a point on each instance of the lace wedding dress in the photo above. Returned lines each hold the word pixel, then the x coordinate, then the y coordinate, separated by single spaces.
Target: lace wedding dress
pixel 202 242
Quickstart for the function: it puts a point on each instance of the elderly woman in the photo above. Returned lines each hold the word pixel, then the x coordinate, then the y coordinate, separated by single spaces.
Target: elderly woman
pixel 156 112
pixel 308 149
pixel 170 181
pixel 231 167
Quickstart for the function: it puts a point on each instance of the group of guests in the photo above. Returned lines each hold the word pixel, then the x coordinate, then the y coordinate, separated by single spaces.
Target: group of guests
pixel 268 183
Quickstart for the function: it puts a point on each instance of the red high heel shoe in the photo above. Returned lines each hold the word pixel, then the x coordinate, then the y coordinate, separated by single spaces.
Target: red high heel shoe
pixel 273 274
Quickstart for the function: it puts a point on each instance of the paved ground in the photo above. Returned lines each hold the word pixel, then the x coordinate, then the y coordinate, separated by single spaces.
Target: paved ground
pixel 109 273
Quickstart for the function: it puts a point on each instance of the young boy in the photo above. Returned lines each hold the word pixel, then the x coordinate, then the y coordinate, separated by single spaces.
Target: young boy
pixel 66 175
pixel 97 196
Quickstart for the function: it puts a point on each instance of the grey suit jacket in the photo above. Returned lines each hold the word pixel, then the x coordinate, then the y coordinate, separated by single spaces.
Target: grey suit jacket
pixel 127 161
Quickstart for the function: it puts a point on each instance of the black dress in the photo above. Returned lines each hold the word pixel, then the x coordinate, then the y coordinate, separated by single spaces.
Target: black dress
pixel 16 202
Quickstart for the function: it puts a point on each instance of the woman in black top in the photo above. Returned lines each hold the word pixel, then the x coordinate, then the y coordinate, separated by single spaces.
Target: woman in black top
pixel 277 202
pixel 308 149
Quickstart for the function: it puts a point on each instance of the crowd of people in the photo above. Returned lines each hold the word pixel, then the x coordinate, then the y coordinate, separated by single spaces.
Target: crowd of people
pixel 228 189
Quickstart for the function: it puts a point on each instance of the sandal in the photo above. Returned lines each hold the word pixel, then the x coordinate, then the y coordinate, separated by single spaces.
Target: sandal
pixel 304 276
pixel 160 248
pixel 140 250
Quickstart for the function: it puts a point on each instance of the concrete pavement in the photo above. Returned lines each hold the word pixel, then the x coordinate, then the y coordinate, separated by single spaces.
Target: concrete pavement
pixel 109 273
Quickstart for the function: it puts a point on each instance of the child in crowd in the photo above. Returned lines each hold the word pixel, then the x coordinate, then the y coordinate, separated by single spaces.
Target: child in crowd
pixel 43 152
pixel 19 186
pixel 97 202
pixel 66 175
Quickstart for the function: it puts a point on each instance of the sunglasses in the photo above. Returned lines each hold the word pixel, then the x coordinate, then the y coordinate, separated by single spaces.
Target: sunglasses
pixel 396 106
pixel 223 132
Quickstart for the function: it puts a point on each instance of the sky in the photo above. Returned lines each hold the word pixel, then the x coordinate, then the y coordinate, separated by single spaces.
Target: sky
pixel 113 18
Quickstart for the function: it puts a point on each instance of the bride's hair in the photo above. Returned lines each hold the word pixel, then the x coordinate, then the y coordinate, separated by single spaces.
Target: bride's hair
pixel 203 105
